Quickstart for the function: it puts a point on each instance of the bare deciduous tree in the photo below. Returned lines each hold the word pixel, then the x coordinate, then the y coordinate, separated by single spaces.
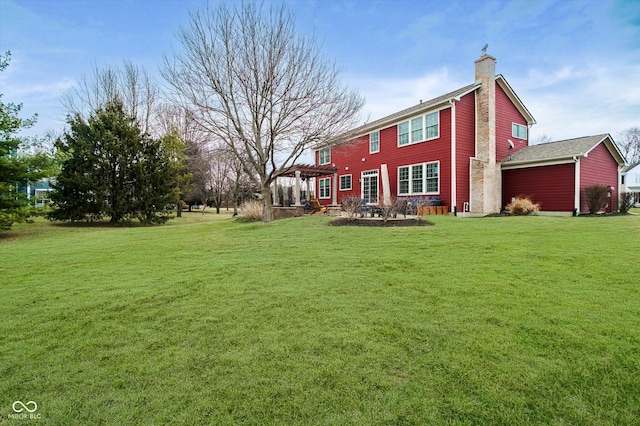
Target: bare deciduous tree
pixel 173 117
pixel 219 174
pixel 629 144
pixel 130 85
pixel 258 86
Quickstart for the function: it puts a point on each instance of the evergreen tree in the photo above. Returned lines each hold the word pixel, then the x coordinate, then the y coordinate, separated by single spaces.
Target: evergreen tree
pixel 16 168
pixel 113 170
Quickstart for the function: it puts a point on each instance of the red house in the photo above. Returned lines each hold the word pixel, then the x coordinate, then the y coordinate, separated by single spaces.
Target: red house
pixel 469 148
pixel 555 174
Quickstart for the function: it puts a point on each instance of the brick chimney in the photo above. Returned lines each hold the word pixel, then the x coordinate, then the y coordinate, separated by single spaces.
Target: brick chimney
pixel 486 177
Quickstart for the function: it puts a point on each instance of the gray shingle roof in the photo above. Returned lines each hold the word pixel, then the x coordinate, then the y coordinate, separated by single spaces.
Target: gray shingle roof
pixel 413 110
pixel 569 148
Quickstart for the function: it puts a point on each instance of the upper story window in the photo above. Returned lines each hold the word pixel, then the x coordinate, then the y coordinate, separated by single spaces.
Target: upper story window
pixel 419 129
pixel 416 129
pixel 325 156
pixel 403 133
pixel 433 128
pixel 519 131
pixel 374 142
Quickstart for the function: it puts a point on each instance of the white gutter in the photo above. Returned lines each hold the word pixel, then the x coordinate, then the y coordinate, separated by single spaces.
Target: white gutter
pixel 542 162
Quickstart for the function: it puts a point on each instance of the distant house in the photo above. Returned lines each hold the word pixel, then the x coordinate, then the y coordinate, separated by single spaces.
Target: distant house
pixel 630 180
pixel 38 192
pixel 470 149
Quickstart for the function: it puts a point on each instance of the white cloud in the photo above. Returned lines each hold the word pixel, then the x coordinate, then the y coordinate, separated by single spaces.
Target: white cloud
pixel 598 99
pixel 386 96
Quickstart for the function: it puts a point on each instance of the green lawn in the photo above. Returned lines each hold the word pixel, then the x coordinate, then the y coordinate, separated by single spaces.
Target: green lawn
pixel 511 320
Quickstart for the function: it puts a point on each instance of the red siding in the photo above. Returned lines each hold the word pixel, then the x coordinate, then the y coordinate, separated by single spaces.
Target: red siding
pixel 550 186
pixel 599 167
pixel 348 158
pixel 465 145
pixel 506 115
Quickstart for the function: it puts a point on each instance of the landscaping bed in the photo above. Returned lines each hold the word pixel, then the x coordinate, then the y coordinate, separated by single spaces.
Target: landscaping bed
pixel 377 222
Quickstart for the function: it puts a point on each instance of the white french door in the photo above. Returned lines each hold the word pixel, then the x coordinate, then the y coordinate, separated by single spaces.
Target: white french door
pixel 370 186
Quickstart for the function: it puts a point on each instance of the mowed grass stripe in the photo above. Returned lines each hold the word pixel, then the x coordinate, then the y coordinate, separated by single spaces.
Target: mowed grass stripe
pixel 529 320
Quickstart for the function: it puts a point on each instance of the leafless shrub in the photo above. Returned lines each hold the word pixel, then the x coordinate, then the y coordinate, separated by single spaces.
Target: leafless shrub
pixel 597 197
pixel 352 207
pixel 388 211
pixel 422 204
pixel 522 206
pixel 626 201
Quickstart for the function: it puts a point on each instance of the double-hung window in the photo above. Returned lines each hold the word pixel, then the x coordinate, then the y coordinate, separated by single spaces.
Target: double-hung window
pixel 433 125
pixel 432 177
pixel 374 142
pixel 324 156
pixel 419 179
pixel 419 129
pixel 325 188
pixel 518 131
pixel 345 183
pixel 403 180
pixel 403 133
pixel 416 129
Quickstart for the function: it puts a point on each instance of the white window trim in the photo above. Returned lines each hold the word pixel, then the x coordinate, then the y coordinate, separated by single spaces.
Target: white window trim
pixel 328 156
pixel 424 179
pixel 370 173
pixel 324 197
pixel 350 182
pixel 526 131
pixel 371 151
pixel 424 128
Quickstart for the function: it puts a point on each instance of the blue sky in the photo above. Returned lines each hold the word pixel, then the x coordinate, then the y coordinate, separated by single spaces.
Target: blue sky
pixel 575 64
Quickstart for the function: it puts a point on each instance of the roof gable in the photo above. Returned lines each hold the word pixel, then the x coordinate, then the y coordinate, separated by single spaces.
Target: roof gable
pixel 562 151
pixel 515 100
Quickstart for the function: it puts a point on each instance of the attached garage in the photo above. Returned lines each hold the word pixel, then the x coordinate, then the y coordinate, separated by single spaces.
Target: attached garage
pixel 555 174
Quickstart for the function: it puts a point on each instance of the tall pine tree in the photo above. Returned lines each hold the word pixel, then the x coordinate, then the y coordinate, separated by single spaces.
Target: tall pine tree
pixel 113 170
pixel 17 167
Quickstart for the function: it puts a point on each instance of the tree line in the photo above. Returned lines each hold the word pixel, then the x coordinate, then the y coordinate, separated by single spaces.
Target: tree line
pixel 247 96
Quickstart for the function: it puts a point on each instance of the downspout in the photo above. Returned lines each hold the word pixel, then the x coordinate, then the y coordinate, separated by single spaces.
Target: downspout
pixel 454 201
pixel 576 184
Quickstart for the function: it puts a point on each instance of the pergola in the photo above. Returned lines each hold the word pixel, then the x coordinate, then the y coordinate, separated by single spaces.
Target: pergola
pixel 305 172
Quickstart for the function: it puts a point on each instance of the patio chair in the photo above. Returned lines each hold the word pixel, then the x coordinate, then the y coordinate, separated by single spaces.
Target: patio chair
pixel 317 207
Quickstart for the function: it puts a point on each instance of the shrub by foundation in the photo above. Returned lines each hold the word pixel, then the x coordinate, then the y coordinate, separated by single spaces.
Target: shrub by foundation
pixel 522 206
pixel 626 202
pixel 597 197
